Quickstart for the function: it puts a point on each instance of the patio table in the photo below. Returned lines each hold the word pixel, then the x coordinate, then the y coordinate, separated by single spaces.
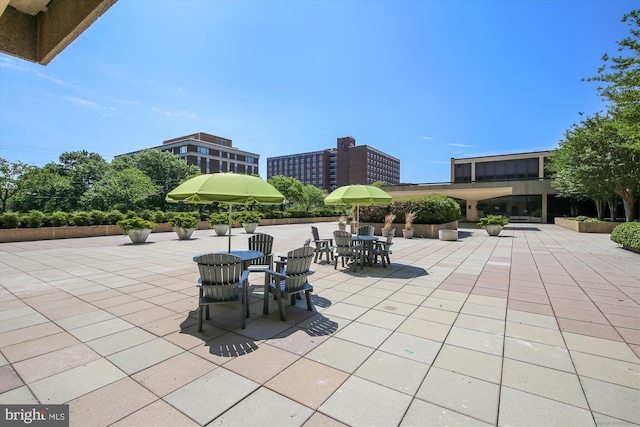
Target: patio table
pixel 246 256
pixel 367 245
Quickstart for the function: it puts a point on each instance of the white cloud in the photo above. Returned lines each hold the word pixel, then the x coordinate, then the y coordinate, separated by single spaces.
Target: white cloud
pixel 453 144
pixel 88 104
pixel 179 114
pixel 427 138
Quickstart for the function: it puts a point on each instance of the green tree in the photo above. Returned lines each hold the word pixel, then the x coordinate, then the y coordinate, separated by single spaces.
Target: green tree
pixel 290 188
pixel 595 160
pixel 166 172
pixel 9 174
pixel 125 189
pixel 620 76
pixel 312 198
pixel 84 170
pixel 42 188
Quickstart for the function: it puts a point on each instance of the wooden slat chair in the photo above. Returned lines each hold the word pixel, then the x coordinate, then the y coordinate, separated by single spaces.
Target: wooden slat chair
pixel 323 246
pixel 222 281
pixel 366 230
pixel 292 282
pixel 263 243
pixel 382 249
pixel 347 248
pixel 281 264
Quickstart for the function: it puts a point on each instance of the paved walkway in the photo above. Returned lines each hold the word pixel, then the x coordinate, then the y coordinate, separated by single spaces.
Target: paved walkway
pixel 539 327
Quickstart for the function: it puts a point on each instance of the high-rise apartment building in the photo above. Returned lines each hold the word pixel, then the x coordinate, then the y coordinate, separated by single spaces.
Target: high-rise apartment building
pixel 212 154
pixel 331 168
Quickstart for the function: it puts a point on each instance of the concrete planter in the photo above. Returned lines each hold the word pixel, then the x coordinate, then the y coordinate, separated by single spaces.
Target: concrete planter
pixel 184 233
pixel 407 234
pixel 586 227
pixel 139 235
pixel 424 231
pixel 250 227
pixel 493 229
pixel 220 229
pixel 448 235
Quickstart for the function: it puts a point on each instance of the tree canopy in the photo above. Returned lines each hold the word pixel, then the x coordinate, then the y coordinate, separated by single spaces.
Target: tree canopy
pixel 599 158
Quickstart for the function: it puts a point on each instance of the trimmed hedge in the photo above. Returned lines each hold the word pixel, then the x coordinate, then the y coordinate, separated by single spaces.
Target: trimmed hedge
pixel 429 210
pixel 627 234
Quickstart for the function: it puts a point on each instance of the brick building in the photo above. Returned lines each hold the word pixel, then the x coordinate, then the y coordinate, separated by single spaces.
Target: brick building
pixel 331 168
pixel 212 154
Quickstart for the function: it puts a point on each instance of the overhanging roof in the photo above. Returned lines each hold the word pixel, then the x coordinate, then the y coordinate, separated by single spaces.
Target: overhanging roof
pixel 451 191
pixel 38 30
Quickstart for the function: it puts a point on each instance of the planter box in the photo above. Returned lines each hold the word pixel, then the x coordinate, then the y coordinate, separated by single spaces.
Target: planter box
pixel 448 235
pixel 586 227
pixel 426 231
pixel 69 232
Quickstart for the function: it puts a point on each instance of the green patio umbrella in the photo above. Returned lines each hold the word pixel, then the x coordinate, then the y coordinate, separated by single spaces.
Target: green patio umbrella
pixel 358 195
pixel 231 188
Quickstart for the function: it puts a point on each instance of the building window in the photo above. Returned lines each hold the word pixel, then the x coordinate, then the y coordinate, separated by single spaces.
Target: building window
pixel 462 172
pixel 183 149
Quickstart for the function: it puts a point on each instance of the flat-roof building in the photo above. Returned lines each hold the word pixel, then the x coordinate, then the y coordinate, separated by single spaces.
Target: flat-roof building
pixel 331 168
pixel 514 185
pixel 211 153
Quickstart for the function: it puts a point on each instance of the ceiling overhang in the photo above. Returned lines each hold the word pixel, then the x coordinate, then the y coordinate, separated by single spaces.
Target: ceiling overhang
pixel 38 30
pixel 458 193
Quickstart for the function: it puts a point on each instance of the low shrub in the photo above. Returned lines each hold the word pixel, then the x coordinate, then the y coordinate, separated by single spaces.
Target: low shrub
pixel 147 214
pixel 98 217
pixel 159 217
pixel 35 219
pixel 218 218
pixel 627 234
pixel 59 219
pixel 11 220
pixel 114 216
pixel 81 218
pixel 492 220
pixel 428 209
pixel 247 217
pixel 135 223
pixel 583 218
pixel 185 219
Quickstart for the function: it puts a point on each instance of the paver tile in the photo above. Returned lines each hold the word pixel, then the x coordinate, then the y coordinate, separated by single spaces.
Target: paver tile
pixel 307 382
pixel 90 409
pixel 195 399
pixel 358 402
pixel 340 354
pixel 264 408
pixel 423 413
pixel 398 373
pixel 253 366
pixel 461 393
pixel 157 414
pixel 518 408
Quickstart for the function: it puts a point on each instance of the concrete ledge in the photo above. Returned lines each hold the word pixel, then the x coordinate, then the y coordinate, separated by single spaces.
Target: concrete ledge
pixel 69 232
pixel 426 231
pixel 586 227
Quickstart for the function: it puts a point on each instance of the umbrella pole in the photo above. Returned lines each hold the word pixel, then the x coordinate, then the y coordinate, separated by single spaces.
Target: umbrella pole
pixel 229 250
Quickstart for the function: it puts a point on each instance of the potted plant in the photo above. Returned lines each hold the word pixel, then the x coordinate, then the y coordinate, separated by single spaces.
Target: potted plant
pixel 184 224
pixel 493 224
pixel 342 223
pixel 249 220
pixel 388 223
pixel 136 228
pixel 409 217
pixel 219 222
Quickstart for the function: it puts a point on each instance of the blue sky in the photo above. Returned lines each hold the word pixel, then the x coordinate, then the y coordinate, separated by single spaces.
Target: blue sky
pixel 423 81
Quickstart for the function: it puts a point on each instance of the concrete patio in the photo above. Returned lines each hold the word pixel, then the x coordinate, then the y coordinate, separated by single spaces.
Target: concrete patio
pixel 538 327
